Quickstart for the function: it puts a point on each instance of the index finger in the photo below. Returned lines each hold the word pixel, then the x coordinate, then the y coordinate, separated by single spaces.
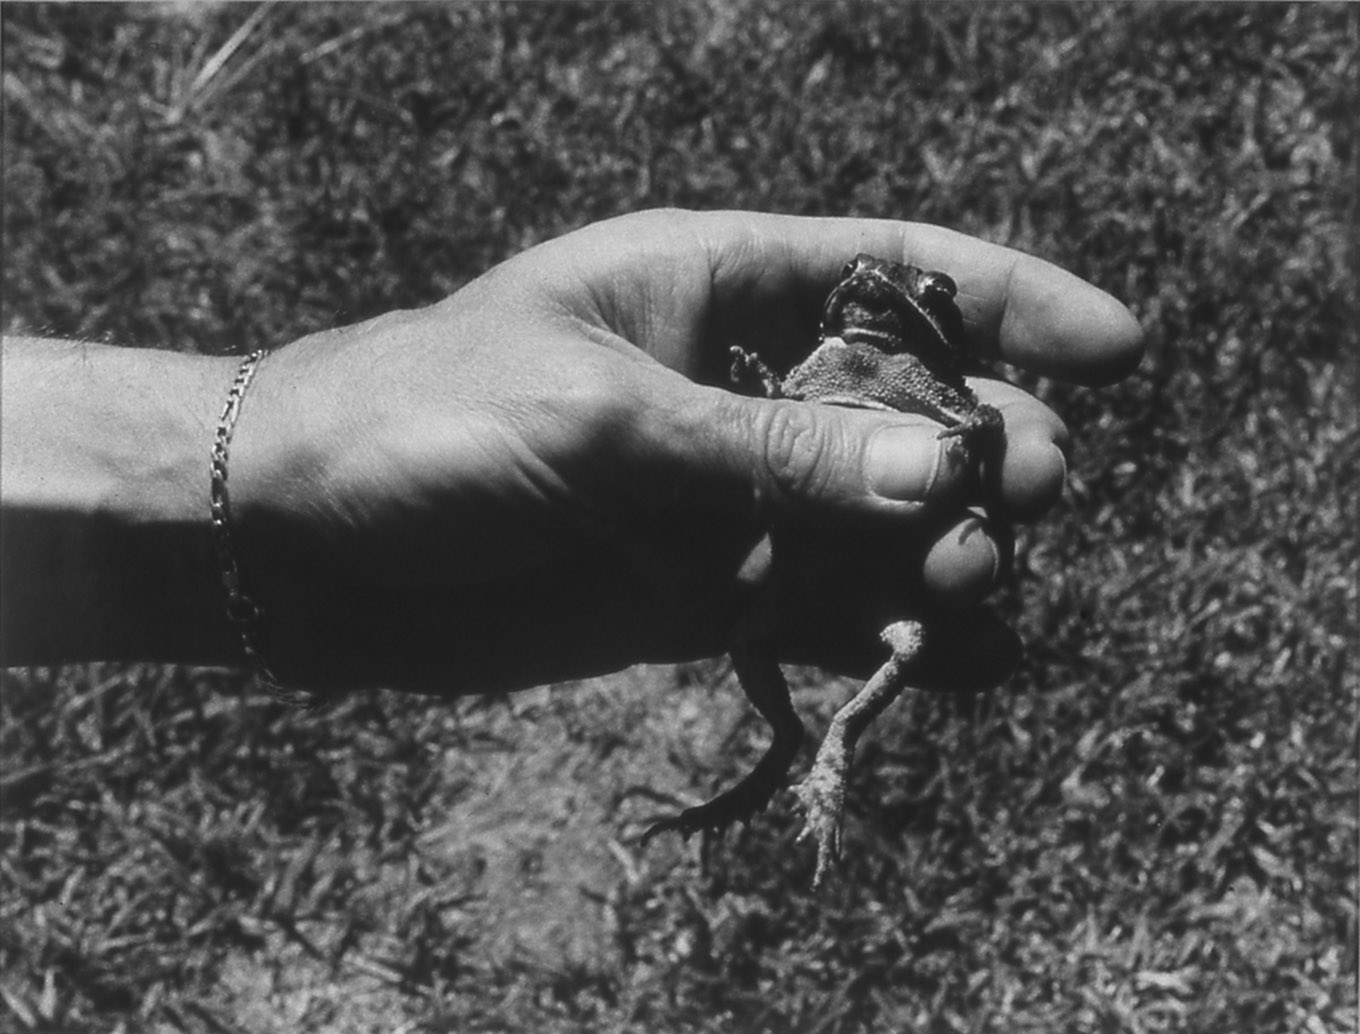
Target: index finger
pixel 1016 307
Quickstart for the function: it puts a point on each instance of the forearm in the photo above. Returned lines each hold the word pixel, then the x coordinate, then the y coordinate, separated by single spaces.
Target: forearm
pixel 105 544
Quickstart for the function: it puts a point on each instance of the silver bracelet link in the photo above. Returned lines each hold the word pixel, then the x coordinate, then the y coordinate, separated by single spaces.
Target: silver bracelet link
pixel 241 609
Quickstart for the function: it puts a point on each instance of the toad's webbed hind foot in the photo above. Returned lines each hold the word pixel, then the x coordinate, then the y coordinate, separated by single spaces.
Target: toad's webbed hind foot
pixel 765 687
pixel 739 804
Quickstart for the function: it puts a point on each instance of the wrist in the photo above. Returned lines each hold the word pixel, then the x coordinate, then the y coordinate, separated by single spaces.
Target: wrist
pixel 284 531
pixel 107 549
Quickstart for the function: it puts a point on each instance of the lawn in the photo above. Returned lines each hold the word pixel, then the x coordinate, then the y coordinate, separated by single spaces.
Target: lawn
pixel 1152 826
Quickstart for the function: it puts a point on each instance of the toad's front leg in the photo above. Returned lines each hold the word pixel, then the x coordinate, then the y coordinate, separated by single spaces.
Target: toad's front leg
pixel 822 793
pixel 766 688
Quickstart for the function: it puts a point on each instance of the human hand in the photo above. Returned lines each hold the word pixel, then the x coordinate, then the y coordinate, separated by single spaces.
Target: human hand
pixel 538 479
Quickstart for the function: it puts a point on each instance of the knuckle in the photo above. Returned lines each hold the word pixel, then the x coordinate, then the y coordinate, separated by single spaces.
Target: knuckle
pixel 798 448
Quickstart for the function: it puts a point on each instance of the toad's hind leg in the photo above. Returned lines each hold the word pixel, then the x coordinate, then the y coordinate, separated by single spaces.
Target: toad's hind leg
pixel 766 688
pixel 822 793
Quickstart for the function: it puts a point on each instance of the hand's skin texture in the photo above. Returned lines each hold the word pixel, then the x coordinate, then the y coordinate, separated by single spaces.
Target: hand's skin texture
pixel 538 479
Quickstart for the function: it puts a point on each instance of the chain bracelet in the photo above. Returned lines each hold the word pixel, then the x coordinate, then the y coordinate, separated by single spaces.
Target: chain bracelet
pixel 241 609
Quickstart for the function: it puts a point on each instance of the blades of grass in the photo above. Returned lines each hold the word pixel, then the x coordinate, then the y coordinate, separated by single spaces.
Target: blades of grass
pixel 218 61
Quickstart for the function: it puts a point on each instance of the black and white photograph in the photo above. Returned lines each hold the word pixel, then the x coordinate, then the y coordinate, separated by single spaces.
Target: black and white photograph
pixel 704 516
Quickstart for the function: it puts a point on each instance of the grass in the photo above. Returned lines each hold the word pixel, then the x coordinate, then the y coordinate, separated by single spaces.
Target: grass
pixel 1151 827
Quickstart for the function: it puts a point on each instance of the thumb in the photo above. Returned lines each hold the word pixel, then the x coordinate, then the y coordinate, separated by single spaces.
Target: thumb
pixel 812 457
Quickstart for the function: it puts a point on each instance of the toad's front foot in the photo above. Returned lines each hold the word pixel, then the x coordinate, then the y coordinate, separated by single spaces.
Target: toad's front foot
pixel 985 422
pixel 746 365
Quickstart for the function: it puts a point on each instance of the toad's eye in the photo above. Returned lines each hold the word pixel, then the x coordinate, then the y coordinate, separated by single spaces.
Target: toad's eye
pixel 849 268
pixel 937 285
